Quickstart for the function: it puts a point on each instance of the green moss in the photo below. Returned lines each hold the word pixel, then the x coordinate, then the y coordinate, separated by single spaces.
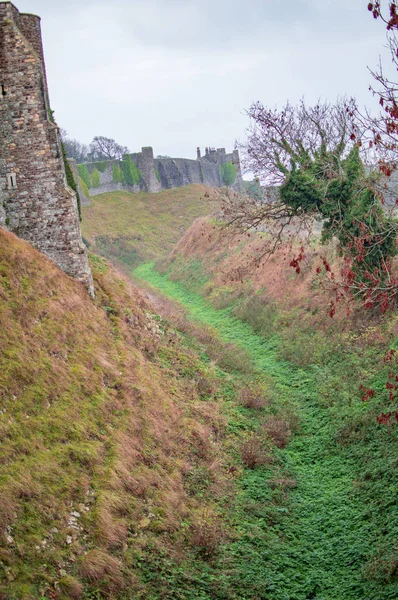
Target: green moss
pixel 84 188
pixel 70 178
pixel 101 165
pixel 84 174
pixel 95 178
pixel 228 173
pixel 131 173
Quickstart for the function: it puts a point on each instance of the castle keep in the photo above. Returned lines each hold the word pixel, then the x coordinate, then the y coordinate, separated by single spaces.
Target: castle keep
pixel 164 173
pixel 35 200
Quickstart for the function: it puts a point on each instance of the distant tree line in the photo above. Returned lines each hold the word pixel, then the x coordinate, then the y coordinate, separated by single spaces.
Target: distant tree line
pixel 100 149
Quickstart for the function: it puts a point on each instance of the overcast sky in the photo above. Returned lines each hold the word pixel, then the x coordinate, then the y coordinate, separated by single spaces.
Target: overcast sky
pixel 176 74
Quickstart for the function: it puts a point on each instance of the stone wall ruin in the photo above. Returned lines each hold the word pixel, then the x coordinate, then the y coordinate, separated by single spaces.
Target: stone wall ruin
pixel 167 173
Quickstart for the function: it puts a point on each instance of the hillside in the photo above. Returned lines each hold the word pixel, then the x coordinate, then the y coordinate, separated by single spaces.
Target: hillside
pixel 132 228
pixel 124 446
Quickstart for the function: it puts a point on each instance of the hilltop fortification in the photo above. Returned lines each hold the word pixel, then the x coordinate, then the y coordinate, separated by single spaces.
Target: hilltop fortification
pixel 35 200
pixel 156 174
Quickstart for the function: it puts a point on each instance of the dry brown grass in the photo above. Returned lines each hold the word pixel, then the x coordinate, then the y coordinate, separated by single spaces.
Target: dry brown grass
pixel 98 565
pixel 253 397
pixel 8 508
pixel 98 427
pixel 71 587
pixel 254 452
pixel 277 430
pixel 231 260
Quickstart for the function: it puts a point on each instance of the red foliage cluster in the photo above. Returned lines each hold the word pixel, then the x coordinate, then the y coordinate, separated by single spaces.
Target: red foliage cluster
pixel 387 170
pixel 367 393
pixel 386 418
pixel 391 358
pixel 332 309
pixel 295 262
pixel 378 288
pixel 392 20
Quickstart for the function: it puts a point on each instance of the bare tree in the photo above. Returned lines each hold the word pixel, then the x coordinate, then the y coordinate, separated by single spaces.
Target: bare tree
pixel 313 155
pixel 74 148
pixel 381 130
pixel 313 140
pixel 103 148
pixel 281 140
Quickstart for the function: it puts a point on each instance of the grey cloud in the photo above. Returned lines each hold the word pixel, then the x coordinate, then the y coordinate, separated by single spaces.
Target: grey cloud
pixel 180 73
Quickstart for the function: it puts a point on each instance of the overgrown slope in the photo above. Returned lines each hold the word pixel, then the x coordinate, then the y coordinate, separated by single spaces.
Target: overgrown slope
pixel 122 443
pixel 132 228
pixel 218 453
pixel 344 461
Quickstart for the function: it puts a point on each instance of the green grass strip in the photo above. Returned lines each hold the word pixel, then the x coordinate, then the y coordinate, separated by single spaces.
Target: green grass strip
pixel 318 546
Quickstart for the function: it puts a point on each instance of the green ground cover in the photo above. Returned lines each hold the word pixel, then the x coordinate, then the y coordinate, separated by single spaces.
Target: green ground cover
pixel 332 536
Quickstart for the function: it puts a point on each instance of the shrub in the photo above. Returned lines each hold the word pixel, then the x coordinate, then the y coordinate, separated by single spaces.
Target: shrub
pixel 117 173
pixel 132 174
pixel 205 386
pixel 101 165
pixel 260 312
pixel 157 174
pixel 277 430
pixel 95 178
pixel 207 535
pixel 252 397
pixel 253 452
pixel 232 358
pixel 84 174
pixel 228 173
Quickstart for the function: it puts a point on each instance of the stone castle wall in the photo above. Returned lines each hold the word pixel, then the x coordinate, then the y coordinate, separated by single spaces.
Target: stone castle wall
pixel 167 173
pixel 36 202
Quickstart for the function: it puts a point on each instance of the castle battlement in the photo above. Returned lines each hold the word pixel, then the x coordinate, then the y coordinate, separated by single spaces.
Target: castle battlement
pixel 35 200
pixel 164 173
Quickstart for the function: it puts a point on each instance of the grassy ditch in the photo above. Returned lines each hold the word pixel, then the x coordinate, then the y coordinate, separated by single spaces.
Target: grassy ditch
pixel 131 228
pixel 332 534
pixel 120 441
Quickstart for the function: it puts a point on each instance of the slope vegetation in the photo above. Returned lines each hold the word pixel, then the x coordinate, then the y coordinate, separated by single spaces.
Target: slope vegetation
pixel 338 538
pixel 131 228
pixel 123 444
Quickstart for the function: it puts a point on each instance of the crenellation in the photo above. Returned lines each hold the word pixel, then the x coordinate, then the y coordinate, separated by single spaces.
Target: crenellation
pixel 148 170
pixel 167 173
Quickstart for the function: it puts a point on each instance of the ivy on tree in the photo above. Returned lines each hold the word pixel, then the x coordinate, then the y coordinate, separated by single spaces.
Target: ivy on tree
pixel 312 153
